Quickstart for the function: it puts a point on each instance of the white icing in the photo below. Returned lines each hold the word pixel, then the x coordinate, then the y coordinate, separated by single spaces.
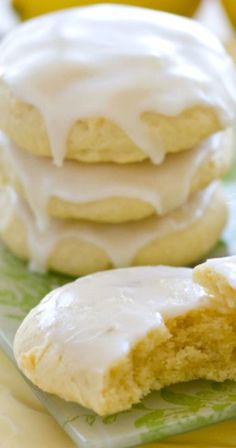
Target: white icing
pixel 165 187
pixel 96 320
pixel 116 62
pixel 121 242
pixel 225 266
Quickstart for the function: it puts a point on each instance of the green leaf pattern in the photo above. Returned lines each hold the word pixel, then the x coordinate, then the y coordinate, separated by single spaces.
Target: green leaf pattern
pixel 20 289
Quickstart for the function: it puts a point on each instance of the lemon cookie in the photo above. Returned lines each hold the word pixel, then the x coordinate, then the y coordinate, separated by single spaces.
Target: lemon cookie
pixel 181 237
pixel 107 339
pixel 74 85
pixel 218 277
pixel 109 192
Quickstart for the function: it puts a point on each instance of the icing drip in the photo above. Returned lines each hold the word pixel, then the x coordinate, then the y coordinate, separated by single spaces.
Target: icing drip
pixel 116 62
pixel 165 187
pixel 108 237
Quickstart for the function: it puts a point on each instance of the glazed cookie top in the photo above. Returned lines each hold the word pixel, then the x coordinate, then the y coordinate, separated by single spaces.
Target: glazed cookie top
pixel 224 267
pixel 98 318
pixel 218 275
pixel 116 62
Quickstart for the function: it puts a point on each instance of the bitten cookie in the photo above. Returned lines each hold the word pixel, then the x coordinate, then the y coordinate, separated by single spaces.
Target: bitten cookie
pixel 107 339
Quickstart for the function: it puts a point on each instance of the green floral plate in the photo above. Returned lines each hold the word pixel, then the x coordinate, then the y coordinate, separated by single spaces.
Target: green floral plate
pixel 173 410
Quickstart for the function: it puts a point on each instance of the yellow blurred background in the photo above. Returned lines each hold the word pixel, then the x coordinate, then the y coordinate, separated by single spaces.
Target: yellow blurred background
pixel 30 8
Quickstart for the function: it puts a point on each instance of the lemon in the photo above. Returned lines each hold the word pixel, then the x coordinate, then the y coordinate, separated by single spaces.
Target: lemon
pixel 31 8
pixel 230 8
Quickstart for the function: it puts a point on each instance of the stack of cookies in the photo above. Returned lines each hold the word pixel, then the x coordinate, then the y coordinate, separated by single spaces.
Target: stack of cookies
pixel 116 129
